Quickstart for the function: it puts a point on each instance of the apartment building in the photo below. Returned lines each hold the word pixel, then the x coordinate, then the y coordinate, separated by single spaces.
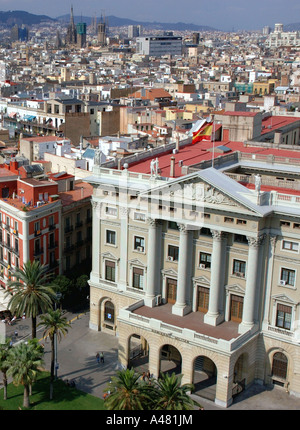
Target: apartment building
pixel 200 269
pixel 45 219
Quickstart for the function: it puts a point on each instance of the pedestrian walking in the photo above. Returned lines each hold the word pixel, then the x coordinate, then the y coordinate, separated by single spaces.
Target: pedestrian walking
pixel 98 357
pixel 102 357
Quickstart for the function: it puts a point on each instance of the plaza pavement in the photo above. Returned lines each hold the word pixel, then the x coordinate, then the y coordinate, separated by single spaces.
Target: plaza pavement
pixel 77 361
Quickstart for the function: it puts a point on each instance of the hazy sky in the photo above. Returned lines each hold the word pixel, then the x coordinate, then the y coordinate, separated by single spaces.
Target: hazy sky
pixel 220 14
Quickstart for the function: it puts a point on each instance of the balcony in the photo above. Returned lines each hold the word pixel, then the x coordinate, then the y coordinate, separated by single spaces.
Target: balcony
pixel 16 251
pixel 52 227
pixel 68 248
pixel 78 224
pixel 69 229
pixel 37 233
pixel 53 245
pixel 38 251
pixel 88 220
pixel 190 327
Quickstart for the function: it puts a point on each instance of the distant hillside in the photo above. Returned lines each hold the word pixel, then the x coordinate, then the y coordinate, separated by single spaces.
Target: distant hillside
pixel 114 21
pixel 20 17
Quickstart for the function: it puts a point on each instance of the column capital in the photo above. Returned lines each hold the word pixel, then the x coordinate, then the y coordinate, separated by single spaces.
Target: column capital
pixel 182 227
pixel 218 235
pixel 255 242
pixel 152 222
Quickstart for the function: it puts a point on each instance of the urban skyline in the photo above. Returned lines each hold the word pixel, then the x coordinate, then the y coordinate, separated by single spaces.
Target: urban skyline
pixel 236 15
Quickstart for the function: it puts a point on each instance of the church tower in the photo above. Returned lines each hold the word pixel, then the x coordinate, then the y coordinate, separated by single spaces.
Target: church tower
pixel 71 38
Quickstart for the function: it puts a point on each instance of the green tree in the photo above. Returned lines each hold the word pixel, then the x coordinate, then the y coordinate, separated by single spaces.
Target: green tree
pixel 54 325
pixel 24 361
pixel 127 392
pixel 4 351
pixel 32 293
pixel 171 395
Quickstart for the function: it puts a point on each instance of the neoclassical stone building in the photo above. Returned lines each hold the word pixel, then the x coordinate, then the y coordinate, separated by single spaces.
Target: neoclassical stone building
pixel 200 272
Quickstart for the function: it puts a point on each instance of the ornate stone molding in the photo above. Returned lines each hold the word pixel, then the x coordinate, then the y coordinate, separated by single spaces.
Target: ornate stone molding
pixel 218 235
pixel 152 222
pixel 255 242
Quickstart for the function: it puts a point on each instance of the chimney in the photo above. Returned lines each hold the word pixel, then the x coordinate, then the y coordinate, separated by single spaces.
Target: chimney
pixel 177 143
pixel 82 194
pixel 172 169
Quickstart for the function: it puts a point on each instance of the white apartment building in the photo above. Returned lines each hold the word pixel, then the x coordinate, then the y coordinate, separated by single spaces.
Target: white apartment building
pixel 202 272
pixel 282 38
pixel 157 46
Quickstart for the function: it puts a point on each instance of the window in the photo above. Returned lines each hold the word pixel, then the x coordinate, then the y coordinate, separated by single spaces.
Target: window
pixel 109 312
pixel 279 365
pixel 37 227
pixel 7 221
pixel 138 278
pixel 205 231
pixel 172 225
pixel 138 216
pixel 139 243
pixel 110 237
pixel 241 221
pixel 110 271
pixel 16 227
pixel 228 219
pixel 239 268
pixel 173 253
pixel 16 245
pixel 284 224
pixel 290 246
pixel 240 238
pixel 284 316
pixel 287 277
pixel 205 260
pixel 111 211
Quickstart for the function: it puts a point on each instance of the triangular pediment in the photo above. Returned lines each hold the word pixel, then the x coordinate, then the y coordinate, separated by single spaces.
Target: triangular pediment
pixel 207 189
pixel 235 288
pixel 201 280
pixel 136 262
pixel 169 272
pixel 284 298
pixel 109 256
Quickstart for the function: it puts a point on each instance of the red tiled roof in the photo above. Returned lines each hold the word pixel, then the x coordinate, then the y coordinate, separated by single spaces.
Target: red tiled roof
pixel 80 192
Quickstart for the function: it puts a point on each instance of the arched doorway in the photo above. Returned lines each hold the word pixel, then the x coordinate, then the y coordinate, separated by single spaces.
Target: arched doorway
pixel 279 369
pixel 138 353
pixel 205 377
pixel 109 316
pixel 240 375
pixel 170 360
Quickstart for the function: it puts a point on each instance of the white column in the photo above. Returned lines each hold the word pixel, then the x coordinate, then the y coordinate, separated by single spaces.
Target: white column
pixel 214 316
pixel 252 284
pixel 153 262
pixel 96 243
pixel 184 272
pixel 123 265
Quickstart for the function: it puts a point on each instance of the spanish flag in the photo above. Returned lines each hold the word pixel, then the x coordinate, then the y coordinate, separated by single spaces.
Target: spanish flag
pixel 204 132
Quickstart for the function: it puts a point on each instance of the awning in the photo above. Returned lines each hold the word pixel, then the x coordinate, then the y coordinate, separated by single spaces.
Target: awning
pixel 29 117
pixel 12 114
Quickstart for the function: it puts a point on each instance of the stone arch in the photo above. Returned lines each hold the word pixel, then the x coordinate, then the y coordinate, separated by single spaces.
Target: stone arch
pixel 241 368
pixel 205 376
pixel 273 378
pixel 170 359
pixel 138 352
pixel 107 314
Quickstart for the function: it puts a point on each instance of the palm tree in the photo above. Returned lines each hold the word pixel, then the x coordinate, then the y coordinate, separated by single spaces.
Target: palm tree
pixel 24 361
pixel 127 392
pixel 4 351
pixel 31 294
pixel 55 325
pixel 171 395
